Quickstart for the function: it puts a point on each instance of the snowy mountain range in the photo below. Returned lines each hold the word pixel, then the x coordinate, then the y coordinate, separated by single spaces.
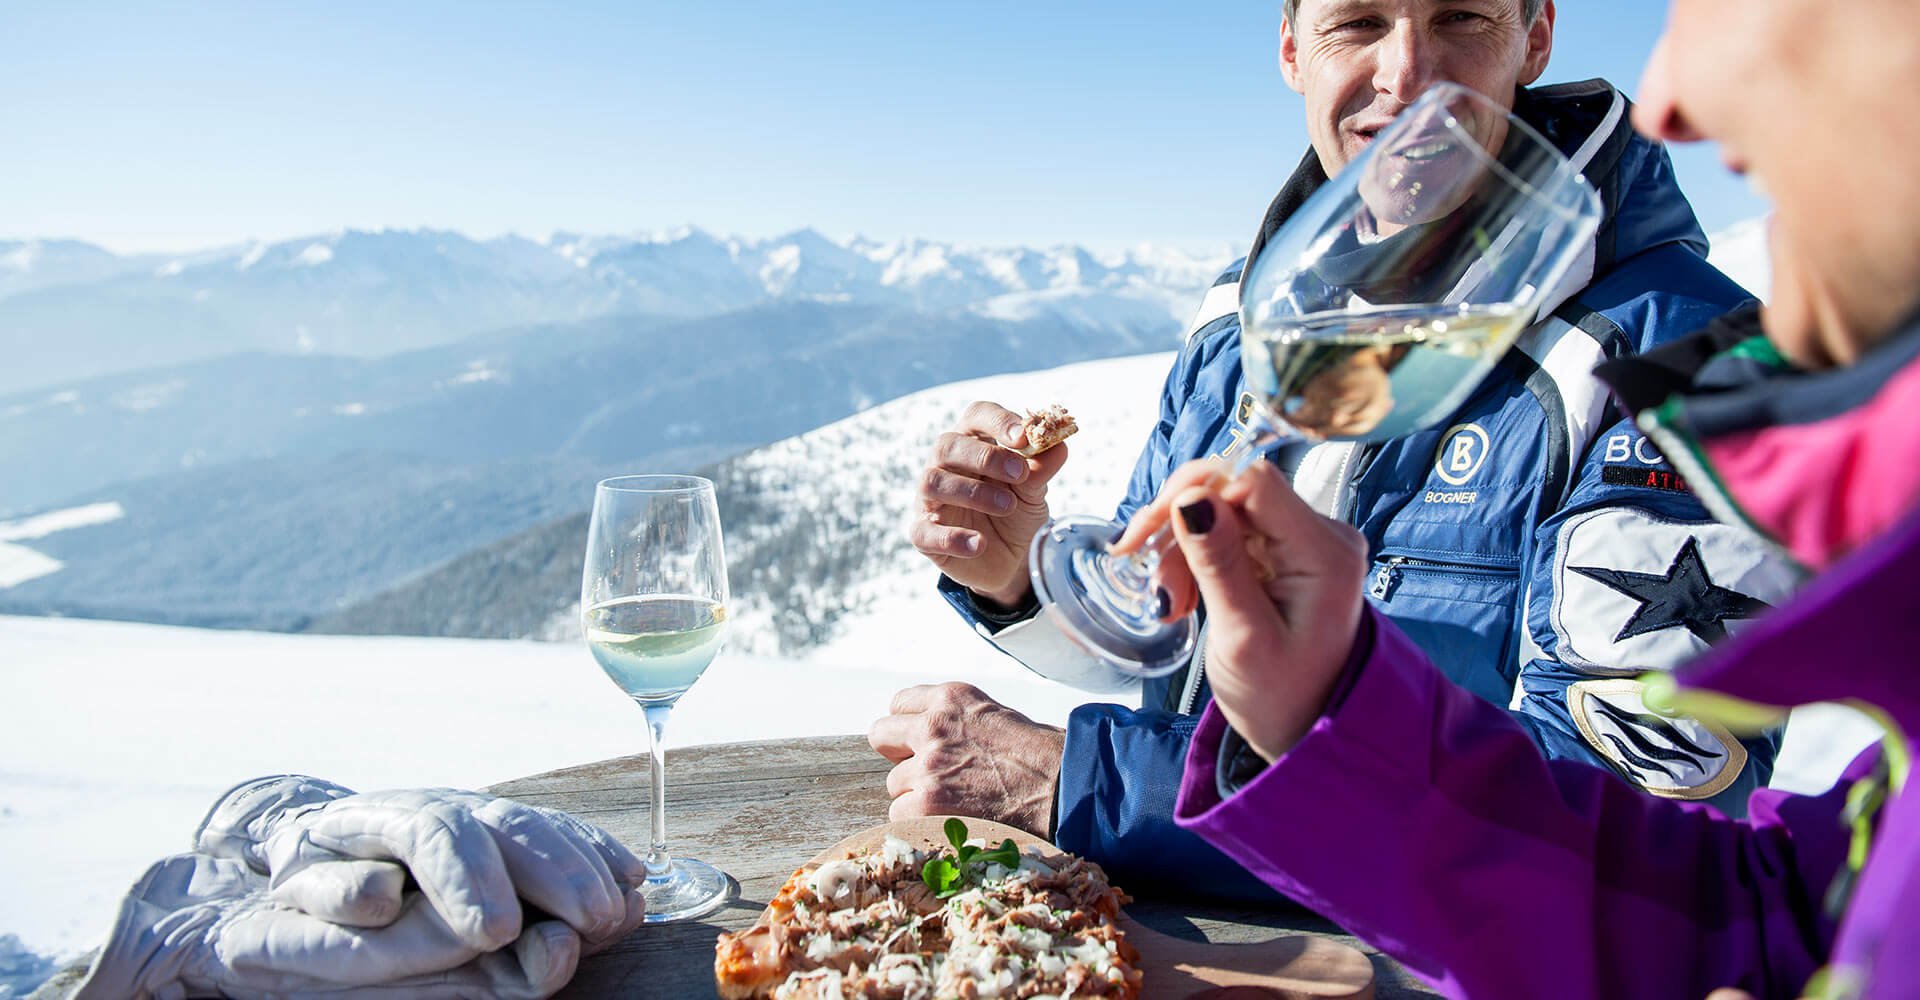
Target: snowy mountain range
pixel 437 491
pixel 69 310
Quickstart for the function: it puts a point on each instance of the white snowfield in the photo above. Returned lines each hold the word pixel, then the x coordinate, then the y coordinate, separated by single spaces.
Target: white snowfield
pixel 117 737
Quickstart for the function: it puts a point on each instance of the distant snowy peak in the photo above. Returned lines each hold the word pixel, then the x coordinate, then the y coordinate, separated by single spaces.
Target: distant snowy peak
pixel 30 255
pixel 802 264
pixel 314 255
pixel 27 265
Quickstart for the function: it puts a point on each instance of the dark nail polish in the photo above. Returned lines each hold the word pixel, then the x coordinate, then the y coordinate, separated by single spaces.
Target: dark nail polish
pixel 1162 602
pixel 1198 516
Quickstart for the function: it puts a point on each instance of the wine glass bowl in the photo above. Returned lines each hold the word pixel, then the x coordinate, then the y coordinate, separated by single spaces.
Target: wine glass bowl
pixel 1380 307
pixel 1374 312
pixel 653 610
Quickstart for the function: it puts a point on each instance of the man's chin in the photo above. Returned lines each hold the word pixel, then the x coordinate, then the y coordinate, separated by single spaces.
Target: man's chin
pixel 1350 149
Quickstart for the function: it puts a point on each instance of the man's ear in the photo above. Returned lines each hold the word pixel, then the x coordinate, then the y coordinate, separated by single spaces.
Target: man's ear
pixel 1289 56
pixel 1539 46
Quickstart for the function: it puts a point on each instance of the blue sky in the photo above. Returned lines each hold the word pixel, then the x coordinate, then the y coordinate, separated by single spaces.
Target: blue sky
pixel 167 127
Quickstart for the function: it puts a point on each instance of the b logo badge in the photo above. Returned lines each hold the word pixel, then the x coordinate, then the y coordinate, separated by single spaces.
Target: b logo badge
pixel 1461 452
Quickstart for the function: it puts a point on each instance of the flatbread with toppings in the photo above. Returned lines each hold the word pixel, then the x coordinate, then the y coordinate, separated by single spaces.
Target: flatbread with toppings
pixel 917 921
pixel 1047 427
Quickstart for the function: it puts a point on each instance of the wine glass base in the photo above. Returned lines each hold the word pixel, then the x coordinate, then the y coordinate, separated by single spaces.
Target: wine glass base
pixel 686 890
pixel 1104 604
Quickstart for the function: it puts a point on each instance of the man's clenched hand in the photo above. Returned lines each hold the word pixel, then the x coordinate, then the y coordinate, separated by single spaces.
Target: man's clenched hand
pixel 957 751
pixel 981 502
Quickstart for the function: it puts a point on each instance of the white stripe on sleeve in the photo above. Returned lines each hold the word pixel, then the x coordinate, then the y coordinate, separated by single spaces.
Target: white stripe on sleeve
pixel 1040 646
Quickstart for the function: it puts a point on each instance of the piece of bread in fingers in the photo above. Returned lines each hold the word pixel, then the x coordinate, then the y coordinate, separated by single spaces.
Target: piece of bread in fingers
pixel 1047 427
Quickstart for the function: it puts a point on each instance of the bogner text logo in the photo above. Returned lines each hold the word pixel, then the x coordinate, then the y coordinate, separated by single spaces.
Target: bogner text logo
pixel 1461 453
pixel 1621 447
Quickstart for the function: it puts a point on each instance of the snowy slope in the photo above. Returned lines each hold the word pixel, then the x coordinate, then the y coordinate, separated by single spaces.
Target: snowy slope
pixel 18 563
pixel 859 476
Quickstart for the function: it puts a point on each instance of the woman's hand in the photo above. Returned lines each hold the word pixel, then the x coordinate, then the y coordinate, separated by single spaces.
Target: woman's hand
pixel 1282 586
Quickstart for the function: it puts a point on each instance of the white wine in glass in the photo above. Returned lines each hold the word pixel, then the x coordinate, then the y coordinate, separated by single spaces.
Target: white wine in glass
pixel 655 647
pixel 653 606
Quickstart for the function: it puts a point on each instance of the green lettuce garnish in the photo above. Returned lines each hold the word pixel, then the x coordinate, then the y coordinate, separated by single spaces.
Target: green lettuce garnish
pixel 947 874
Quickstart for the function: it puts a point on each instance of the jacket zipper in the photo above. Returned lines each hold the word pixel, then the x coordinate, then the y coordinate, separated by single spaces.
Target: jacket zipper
pixel 1387 577
pixel 1191 695
pixel 1352 467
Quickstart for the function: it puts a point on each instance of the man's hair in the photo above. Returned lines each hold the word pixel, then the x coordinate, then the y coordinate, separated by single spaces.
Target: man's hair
pixel 1529 8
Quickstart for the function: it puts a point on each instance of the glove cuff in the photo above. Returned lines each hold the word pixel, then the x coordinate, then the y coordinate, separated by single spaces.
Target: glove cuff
pixel 152 950
pixel 242 820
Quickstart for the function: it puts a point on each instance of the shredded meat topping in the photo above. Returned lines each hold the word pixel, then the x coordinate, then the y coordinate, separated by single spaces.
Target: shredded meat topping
pixel 867 926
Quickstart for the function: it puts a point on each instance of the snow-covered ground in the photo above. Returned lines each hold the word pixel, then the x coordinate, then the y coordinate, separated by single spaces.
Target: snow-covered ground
pixel 116 737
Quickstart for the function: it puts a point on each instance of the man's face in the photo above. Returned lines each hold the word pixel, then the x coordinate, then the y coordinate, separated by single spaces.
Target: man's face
pixel 1359 63
pixel 1814 104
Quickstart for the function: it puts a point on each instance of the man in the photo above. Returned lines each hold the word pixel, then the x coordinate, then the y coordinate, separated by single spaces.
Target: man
pixel 1537 548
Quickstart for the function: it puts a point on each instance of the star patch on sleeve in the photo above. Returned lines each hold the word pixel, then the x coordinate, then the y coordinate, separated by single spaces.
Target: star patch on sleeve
pixel 1685 596
pixel 1634 591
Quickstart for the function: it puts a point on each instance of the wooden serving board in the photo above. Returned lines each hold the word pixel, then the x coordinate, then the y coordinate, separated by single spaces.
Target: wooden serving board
pixel 1292 967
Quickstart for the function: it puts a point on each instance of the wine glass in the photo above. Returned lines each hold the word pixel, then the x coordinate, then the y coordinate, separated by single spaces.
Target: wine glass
pixel 1374 312
pixel 653 605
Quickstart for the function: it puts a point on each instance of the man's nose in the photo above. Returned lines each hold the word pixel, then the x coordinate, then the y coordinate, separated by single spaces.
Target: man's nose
pixel 1406 63
pixel 1657 113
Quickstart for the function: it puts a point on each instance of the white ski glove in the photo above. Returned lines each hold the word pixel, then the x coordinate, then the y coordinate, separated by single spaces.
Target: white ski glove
pixel 198 926
pixel 313 898
pixel 470 853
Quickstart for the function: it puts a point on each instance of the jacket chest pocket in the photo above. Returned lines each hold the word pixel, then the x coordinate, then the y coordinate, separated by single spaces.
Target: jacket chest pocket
pixel 1461 614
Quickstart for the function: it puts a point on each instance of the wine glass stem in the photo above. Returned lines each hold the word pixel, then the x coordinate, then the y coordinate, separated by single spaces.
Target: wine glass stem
pixel 1141 562
pixel 1261 433
pixel 658 861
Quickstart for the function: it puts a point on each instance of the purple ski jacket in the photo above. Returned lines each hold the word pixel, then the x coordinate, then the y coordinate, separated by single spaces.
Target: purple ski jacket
pixel 1422 819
